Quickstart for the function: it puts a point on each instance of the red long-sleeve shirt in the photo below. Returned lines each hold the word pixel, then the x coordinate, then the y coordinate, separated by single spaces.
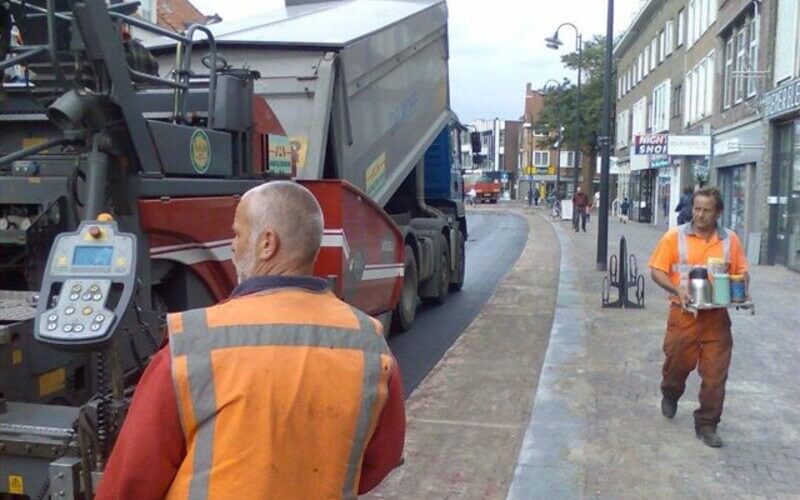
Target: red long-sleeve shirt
pixel 151 445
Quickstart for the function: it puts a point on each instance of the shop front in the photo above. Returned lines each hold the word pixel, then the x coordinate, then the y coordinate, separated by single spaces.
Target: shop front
pixel 738 155
pixel 782 107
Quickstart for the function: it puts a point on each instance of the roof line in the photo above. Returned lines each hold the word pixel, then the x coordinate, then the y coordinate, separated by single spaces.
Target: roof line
pixel 632 25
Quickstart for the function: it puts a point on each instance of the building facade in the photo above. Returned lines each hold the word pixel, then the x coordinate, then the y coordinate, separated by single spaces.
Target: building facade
pixel 667 83
pixel 734 71
pixel 499 151
pixel 539 159
pixel 778 212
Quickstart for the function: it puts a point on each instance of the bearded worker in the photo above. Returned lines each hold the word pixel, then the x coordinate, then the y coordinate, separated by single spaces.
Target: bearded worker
pixel 703 341
pixel 282 391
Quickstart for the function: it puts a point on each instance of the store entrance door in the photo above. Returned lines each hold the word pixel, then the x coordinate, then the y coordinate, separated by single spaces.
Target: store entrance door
pixel 785 199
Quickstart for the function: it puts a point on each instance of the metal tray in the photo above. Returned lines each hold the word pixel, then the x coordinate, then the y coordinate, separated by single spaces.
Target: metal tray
pixel 749 305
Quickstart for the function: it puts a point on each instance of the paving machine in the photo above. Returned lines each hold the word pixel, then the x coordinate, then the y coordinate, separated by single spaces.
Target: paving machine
pixel 120 169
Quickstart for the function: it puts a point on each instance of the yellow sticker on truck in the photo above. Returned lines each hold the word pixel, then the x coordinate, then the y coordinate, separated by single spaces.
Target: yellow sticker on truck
pixel 376 175
pixel 16 486
pixel 52 381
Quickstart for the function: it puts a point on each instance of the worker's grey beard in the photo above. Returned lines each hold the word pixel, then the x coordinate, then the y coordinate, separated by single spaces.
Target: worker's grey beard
pixel 244 266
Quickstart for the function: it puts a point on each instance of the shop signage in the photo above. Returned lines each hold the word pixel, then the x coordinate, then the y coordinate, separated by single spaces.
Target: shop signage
pixel 783 99
pixel 672 145
pixel 689 145
pixel 729 147
pixel 655 144
pixel 661 161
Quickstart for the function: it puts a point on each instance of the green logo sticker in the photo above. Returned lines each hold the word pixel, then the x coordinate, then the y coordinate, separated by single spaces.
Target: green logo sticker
pixel 200 151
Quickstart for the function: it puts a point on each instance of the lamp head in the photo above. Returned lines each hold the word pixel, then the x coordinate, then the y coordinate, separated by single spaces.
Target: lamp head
pixel 553 42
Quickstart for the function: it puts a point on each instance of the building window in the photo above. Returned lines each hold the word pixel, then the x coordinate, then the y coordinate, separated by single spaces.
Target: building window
pixel 677 100
pixel 653 53
pixel 741 57
pixel 669 45
pixel 689 98
pixel 752 79
pixel 623 119
pixel 690 21
pixel 567 159
pixel 681 28
pixel 639 117
pixel 646 61
pixel 541 158
pixel 640 68
pixel 147 10
pixel 660 110
pixel 786 40
pixel 727 82
pixel 700 84
pixel 709 88
pixel 662 46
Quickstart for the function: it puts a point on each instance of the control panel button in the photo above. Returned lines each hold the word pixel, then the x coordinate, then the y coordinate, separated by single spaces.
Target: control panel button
pixel 52 317
pixel 78 328
pixel 67 328
pixel 51 326
pixel 76 288
pixel 74 296
pixel 87 296
pixel 87 311
pixel 95 327
pixel 69 311
pixel 99 318
pixel 98 297
pixel 94 288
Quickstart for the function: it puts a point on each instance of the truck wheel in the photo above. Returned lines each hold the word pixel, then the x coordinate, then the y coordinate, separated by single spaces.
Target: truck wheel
pixel 458 284
pixel 406 309
pixel 444 272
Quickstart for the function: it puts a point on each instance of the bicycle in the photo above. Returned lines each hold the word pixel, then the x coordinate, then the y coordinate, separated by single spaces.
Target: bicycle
pixel 555 212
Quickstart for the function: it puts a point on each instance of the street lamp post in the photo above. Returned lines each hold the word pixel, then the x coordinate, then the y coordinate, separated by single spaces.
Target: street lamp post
pixel 555 43
pixel 602 234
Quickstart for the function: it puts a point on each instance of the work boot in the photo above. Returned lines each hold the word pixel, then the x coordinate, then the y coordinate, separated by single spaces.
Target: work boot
pixel 708 435
pixel 668 407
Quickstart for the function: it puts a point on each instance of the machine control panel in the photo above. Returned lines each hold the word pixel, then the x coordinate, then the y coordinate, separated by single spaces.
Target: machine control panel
pixel 88 285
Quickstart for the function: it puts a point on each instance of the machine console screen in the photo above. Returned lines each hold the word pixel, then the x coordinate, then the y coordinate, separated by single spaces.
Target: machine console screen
pixel 92 256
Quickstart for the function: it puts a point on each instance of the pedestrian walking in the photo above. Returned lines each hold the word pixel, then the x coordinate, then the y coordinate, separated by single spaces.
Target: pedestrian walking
pixel 580 204
pixel 282 391
pixel 684 207
pixel 625 208
pixel 536 197
pixel 703 341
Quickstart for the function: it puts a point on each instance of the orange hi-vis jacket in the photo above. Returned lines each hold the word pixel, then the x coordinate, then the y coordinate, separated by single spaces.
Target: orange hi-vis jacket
pixel 278 393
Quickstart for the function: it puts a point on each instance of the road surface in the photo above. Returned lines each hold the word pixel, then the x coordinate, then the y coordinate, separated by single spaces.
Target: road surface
pixel 495 242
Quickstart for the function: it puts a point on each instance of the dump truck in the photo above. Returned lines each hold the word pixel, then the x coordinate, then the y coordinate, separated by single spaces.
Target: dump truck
pixel 121 165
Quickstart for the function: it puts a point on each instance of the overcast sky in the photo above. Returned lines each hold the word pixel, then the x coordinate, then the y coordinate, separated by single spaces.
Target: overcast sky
pixel 496 46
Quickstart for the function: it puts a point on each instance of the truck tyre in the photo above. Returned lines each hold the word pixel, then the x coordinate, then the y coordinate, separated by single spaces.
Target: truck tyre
pixel 444 272
pixel 406 309
pixel 461 264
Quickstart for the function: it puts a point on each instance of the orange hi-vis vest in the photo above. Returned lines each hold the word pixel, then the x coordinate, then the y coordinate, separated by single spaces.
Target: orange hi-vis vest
pixel 279 393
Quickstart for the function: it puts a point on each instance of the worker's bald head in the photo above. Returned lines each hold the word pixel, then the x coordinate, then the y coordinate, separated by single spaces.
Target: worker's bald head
pixel 278 228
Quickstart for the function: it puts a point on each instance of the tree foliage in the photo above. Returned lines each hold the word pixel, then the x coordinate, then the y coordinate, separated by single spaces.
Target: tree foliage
pixel 560 102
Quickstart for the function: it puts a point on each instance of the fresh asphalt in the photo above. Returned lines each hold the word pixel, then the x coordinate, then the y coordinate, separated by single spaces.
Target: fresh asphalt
pixel 495 242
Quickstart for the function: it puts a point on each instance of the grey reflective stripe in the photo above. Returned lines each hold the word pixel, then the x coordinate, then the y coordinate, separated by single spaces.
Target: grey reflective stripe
pixel 681 268
pixel 204 402
pixel 369 395
pixel 683 252
pixel 726 245
pixel 222 337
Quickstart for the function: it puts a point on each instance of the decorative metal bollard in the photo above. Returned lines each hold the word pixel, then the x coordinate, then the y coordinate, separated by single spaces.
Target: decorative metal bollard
pixel 623 274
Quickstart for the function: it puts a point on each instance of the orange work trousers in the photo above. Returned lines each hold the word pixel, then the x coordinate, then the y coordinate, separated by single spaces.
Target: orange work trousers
pixel 704 342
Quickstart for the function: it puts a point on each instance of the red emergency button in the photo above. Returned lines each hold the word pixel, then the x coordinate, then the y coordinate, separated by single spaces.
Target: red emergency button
pixel 95 232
